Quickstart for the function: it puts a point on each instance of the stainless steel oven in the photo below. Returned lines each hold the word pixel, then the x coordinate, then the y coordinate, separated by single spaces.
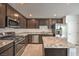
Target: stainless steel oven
pixel 19 42
pixel 19 46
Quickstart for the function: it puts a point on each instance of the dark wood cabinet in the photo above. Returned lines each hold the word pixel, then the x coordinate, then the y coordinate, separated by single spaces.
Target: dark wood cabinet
pixel 2 15
pixel 35 23
pixel 11 12
pixel 7 11
pixel 22 21
pixel 42 21
pixel 55 51
pixel 32 23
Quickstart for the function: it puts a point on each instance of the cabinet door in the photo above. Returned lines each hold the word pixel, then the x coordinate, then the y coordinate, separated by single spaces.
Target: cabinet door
pixel 2 15
pixel 8 52
pixel 33 23
pixel 12 13
pixel 42 21
pixel 2 9
pixel 22 21
pixel 2 21
pixel 59 20
pixel 9 11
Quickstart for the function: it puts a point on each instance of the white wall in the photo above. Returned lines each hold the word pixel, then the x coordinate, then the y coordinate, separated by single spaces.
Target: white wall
pixel 73 28
pixel 71 52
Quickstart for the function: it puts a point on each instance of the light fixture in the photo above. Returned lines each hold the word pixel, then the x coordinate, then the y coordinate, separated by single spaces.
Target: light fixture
pixel 30 15
pixel 16 15
pixel 55 15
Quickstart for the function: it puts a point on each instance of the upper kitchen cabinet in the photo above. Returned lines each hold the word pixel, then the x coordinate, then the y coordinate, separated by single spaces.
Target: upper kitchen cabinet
pixel 22 22
pixel 64 20
pixel 43 21
pixel 12 13
pixel 60 20
pixel 2 15
pixel 16 16
pixel 33 23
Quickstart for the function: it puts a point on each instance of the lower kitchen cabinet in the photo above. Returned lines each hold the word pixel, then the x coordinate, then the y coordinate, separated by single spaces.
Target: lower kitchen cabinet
pixel 55 51
pixel 8 52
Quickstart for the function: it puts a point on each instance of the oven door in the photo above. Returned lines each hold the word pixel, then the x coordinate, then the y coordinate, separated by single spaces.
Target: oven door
pixel 10 22
pixel 19 47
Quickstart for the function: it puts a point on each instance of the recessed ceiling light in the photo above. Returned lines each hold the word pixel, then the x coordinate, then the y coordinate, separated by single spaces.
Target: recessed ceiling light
pixel 16 15
pixel 55 15
pixel 30 15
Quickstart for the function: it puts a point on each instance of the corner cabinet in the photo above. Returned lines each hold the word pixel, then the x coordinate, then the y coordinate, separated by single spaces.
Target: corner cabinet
pixel 2 15
pixel 20 18
pixel 22 22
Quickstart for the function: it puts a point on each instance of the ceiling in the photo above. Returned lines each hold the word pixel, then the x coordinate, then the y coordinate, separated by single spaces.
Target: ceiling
pixel 46 10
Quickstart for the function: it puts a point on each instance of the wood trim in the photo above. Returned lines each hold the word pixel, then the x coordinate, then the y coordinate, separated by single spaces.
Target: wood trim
pixel 5 14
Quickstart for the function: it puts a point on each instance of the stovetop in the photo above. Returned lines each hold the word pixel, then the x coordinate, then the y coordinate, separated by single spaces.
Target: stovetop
pixel 11 36
pixel 15 38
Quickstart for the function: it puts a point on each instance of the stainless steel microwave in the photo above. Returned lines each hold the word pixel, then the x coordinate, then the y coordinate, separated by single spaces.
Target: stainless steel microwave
pixel 10 22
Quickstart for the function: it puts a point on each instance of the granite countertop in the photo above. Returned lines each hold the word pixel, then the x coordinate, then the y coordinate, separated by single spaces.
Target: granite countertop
pixel 55 42
pixel 27 33
pixel 21 34
pixel 5 42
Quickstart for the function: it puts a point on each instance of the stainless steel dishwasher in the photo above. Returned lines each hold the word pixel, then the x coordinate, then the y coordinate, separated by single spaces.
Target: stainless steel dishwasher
pixel 34 38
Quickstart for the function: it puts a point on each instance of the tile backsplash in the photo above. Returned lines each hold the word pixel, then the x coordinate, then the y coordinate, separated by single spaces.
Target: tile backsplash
pixel 23 30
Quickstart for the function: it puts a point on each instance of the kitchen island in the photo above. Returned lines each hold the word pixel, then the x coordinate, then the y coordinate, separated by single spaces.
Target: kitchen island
pixel 54 46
